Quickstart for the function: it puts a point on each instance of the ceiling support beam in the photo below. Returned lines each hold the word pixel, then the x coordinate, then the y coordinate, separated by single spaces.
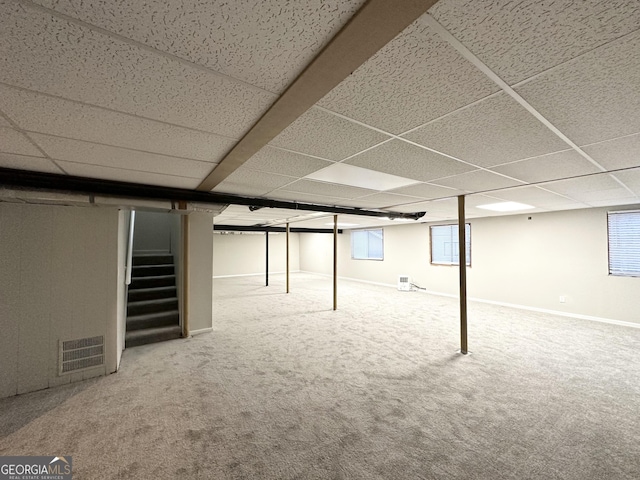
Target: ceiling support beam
pixel 371 28
pixel 29 180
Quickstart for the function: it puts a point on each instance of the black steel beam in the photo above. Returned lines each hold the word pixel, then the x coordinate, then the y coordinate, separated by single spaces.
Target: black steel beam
pixel 94 186
pixel 258 228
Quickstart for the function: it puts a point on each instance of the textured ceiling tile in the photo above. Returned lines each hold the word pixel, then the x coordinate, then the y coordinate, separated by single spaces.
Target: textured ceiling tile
pixel 631 178
pixel 594 98
pixel 477 181
pixel 494 131
pixel 25 162
pixel 388 200
pixel 615 202
pixel 328 136
pixel 273 160
pixel 12 141
pixel 107 173
pixel 415 78
pixel 51 55
pixel 518 40
pixel 620 153
pixel 328 189
pixel 403 159
pixel 250 182
pixel 40 113
pixel 531 195
pixel 549 167
pixel 265 43
pixel 307 198
pixel 116 157
pixel 589 189
pixel 424 190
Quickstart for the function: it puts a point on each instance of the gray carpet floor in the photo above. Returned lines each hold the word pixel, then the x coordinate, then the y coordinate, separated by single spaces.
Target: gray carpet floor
pixel 286 388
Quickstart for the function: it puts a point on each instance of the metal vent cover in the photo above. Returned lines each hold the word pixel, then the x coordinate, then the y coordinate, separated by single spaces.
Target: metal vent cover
pixel 80 354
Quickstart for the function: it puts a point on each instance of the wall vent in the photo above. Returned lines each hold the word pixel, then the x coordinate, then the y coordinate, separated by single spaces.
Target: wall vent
pixel 404 283
pixel 81 354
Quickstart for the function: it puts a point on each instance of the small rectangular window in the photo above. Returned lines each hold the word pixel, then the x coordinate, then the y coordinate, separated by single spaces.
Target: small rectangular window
pixel 624 243
pixel 444 244
pixel 367 245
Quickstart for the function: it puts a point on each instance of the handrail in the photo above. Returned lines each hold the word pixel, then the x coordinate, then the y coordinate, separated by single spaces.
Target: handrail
pixel 129 266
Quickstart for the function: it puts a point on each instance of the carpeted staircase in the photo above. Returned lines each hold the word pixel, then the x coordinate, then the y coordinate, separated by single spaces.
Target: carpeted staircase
pixel 152 307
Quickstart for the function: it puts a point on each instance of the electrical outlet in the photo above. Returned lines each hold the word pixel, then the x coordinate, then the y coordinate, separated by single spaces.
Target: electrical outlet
pixel 563 299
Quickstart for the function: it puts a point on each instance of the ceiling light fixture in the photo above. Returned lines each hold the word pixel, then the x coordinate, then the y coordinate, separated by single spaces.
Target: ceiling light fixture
pixel 353 176
pixel 506 206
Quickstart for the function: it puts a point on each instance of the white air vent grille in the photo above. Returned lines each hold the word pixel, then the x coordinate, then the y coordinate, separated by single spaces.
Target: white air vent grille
pixel 404 283
pixel 81 354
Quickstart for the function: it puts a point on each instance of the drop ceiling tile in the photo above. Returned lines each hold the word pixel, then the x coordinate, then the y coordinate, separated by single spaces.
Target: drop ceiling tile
pixel 388 200
pixel 95 154
pixel 478 181
pixel 415 207
pixel 405 160
pixel 590 189
pixel 250 182
pixel 549 167
pixel 326 135
pixel 55 116
pixel 274 160
pixel 52 55
pixel 536 196
pixel 616 202
pixel 12 141
pixel 107 173
pixel 328 189
pixel 307 197
pixel 264 43
pixel 495 131
pixel 425 190
pixel 25 162
pixel 415 78
pixel 594 97
pixel 619 153
pixel 631 178
pixel 519 40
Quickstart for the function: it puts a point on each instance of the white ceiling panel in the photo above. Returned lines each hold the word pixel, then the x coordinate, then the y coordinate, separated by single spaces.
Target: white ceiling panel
pixel 250 182
pixel 616 202
pixel 308 198
pixel 590 189
pixel 51 55
pixel 325 135
pixel 25 162
pixel 631 178
pixel 619 153
pixel 270 44
pixel 536 196
pixel 415 78
pixel 12 141
pixel 478 181
pixel 95 154
pixel 273 160
pixel 549 167
pixel 107 173
pixel 328 189
pixel 41 113
pixel 403 159
pixel 495 131
pixel 389 200
pixel 518 40
pixel 595 97
pixel 425 190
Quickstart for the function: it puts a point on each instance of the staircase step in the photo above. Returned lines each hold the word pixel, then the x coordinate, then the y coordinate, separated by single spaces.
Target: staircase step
pixel 153 320
pixel 152 306
pixel 151 293
pixel 152 335
pixel 153 259
pixel 152 270
pixel 153 281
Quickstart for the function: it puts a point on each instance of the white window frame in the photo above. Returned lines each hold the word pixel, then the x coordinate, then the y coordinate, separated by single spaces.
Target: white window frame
pixel 623 243
pixel 368 254
pixel 454 244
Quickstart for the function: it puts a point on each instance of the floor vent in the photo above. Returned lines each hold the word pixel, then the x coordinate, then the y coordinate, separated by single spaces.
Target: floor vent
pixel 81 354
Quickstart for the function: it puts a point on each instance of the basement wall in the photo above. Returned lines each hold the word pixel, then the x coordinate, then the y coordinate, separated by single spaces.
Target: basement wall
pixel 59 278
pixel 200 295
pixel 244 253
pixel 514 260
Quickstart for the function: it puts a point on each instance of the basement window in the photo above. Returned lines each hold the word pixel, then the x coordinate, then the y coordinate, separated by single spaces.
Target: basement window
pixel 624 243
pixel 444 244
pixel 367 244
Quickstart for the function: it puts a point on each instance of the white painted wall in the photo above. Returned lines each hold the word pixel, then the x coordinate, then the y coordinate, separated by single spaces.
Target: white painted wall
pixel 153 232
pixel 514 260
pixel 200 295
pixel 244 254
pixel 59 282
pixel 121 306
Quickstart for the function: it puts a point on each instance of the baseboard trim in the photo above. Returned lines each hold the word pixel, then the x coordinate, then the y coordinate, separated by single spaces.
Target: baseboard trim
pixel 200 331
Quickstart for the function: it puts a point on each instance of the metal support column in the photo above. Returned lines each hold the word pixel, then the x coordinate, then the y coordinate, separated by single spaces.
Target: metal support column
pixel 266 270
pixel 462 257
pixel 335 262
pixel 287 258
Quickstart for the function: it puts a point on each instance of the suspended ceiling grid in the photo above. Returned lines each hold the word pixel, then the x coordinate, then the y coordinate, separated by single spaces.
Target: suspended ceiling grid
pixel 473 97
